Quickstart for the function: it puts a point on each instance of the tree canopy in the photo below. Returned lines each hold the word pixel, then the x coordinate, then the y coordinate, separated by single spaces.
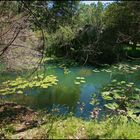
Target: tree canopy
pixel 91 32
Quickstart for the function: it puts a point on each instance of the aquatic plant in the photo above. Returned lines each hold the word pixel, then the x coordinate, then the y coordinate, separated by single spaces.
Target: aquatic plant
pixel 20 84
pixel 66 70
pixel 122 98
pixel 79 80
pixel 126 68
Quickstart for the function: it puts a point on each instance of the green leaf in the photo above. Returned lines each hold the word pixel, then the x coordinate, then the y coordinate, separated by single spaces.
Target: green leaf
pixel 20 92
pixel 114 80
pixel 137 89
pixel 95 70
pixel 106 95
pixel 94 102
pixel 108 98
pixel 128 85
pixel 82 81
pixel 77 83
pixel 123 82
pixel 117 96
pixel 111 106
pixel 78 78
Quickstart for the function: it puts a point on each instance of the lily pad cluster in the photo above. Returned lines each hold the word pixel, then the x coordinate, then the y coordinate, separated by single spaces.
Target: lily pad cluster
pixel 106 70
pixel 126 68
pixel 20 84
pixel 122 97
pixel 79 80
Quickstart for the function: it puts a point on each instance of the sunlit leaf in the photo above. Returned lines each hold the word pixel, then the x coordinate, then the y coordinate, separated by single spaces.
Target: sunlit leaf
pixel 112 106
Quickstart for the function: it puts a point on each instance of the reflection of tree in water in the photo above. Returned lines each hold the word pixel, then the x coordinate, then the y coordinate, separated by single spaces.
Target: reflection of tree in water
pixel 63 96
pixel 43 98
pixel 85 72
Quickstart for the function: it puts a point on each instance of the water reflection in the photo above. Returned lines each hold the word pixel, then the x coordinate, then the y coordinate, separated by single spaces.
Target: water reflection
pixel 42 98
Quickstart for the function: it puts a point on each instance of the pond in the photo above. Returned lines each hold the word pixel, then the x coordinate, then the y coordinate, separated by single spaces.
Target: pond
pixel 71 95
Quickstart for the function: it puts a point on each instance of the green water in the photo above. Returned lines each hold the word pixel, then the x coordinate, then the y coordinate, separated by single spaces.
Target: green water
pixel 68 96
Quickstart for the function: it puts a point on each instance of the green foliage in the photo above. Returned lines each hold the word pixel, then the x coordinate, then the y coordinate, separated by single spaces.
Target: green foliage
pixel 123 17
pixel 52 14
pixel 90 14
pixel 20 84
pixel 71 127
pixel 98 35
pixel 7 131
pixel 58 42
pixel 9 9
pixel 94 33
pixel 63 34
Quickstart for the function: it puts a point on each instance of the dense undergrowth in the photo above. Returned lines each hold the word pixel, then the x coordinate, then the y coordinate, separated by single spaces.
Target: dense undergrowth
pixel 77 128
pixel 117 127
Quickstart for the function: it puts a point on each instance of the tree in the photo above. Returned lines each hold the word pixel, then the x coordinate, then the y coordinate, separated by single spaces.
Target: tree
pixel 51 14
pixel 124 17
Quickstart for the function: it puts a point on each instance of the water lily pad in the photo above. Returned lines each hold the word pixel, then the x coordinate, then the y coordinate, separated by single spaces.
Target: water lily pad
pixel 82 78
pixel 82 81
pixel 78 78
pixel 77 83
pixel 108 71
pixel 111 106
pixel 114 80
pixel 20 92
pixel 95 70
pixel 122 82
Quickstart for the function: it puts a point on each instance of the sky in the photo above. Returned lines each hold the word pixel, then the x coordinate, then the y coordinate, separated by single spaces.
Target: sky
pixel 89 2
